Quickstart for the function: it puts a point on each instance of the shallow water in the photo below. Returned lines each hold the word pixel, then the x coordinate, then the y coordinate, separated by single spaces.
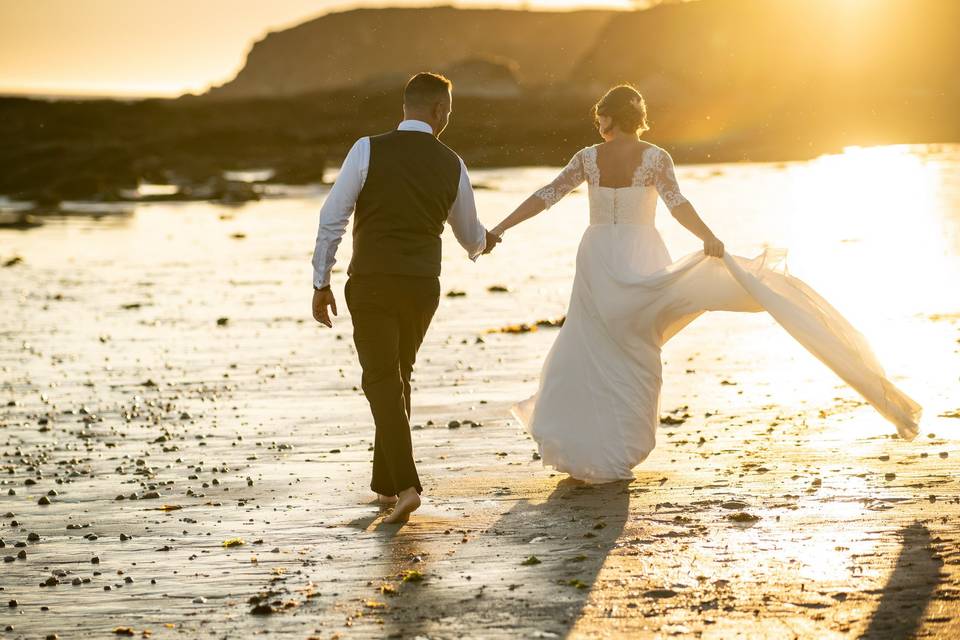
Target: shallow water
pixel 118 379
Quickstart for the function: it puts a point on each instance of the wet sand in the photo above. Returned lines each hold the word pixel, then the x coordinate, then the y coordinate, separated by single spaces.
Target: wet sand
pixel 205 449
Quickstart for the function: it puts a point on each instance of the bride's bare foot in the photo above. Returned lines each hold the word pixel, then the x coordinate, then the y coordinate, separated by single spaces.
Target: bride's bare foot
pixel 407 502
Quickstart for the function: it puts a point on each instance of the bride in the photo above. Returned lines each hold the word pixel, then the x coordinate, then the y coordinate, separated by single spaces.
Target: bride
pixel 596 411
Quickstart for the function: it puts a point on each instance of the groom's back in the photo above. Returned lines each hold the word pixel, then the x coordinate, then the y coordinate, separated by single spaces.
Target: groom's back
pixel 411 184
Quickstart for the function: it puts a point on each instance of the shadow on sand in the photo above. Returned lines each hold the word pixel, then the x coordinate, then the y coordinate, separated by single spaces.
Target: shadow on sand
pixel 486 588
pixel 910 588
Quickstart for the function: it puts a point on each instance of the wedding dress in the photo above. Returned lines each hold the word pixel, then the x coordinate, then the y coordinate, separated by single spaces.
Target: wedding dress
pixel 596 411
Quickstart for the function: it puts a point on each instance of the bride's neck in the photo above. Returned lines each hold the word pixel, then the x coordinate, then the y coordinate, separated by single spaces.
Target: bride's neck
pixel 621 136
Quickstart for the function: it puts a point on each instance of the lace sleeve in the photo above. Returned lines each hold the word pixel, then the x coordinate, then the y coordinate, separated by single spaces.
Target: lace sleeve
pixel 665 180
pixel 568 179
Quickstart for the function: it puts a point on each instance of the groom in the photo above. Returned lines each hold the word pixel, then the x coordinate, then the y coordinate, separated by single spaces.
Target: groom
pixel 403 186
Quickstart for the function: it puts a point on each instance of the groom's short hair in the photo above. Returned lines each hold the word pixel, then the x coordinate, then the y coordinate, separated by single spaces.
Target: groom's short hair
pixel 426 89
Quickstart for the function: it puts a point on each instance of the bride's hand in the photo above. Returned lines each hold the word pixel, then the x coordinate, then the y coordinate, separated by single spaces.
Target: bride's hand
pixel 493 239
pixel 712 247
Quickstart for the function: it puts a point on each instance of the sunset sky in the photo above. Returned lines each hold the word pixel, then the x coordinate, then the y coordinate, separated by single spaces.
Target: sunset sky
pixel 146 47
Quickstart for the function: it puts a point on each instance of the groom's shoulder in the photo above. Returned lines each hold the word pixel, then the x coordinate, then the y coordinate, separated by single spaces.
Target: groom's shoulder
pixel 374 137
pixel 450 152
pixel 446 152
pixel 432 140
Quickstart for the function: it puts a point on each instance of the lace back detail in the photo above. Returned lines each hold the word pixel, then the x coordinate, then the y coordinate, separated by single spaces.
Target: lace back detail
pixel 655 170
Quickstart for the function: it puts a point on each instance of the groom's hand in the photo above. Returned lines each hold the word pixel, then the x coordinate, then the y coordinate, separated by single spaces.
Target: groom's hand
pixel 492 241
pixel 323 298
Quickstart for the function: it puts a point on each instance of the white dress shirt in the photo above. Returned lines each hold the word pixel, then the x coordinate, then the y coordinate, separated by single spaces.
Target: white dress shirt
pixel 342 199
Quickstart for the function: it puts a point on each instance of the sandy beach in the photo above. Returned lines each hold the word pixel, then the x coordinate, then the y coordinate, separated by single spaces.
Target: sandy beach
pixel 185 453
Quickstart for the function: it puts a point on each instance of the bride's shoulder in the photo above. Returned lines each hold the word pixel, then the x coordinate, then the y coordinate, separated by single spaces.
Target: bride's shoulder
pixel 657 156
pixel 587 152
pixel 654 149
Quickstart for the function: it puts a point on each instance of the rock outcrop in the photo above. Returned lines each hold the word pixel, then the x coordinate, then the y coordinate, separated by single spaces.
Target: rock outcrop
pixel 353 48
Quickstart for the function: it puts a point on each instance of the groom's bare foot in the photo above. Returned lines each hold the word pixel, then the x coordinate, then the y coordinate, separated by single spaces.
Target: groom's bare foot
pixel 386 501
pixel 407 502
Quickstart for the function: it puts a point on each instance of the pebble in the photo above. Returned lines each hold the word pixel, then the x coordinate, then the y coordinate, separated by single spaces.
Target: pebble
pixel 743 516
pixel 43 501
pixel 735 504
pixel 262 609
pixel 660 593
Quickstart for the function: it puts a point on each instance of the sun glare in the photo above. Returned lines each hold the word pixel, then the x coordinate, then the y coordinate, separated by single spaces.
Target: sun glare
pixel 878 202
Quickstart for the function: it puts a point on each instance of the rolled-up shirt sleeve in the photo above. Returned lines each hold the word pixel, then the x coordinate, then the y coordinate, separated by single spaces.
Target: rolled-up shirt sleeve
pixel 463 219
pixel 336 210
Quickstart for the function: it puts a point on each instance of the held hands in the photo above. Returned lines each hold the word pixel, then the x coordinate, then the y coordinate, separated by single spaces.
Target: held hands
pixel 712 247
pixel 493 239
pixel 322 299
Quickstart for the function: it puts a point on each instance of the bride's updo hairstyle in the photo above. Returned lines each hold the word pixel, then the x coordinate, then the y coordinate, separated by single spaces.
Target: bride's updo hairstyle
pixel 625 106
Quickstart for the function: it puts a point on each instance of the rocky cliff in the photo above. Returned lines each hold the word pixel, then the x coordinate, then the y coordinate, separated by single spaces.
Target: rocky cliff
pixel 749 55
pixel 352 48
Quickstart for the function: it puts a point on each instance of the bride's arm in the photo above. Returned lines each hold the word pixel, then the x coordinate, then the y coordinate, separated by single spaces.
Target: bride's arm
pixel 527 209
pixel 544 198
pixel 680 207
pixel 686 215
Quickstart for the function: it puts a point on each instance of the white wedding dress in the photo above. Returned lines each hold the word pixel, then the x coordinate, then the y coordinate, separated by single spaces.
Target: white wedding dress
pixel 596 412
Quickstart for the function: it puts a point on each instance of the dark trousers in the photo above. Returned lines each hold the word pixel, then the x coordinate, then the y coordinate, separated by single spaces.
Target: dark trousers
pixel 390 317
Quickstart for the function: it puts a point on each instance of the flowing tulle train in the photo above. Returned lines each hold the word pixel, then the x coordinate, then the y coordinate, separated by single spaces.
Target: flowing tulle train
pixel 596 411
